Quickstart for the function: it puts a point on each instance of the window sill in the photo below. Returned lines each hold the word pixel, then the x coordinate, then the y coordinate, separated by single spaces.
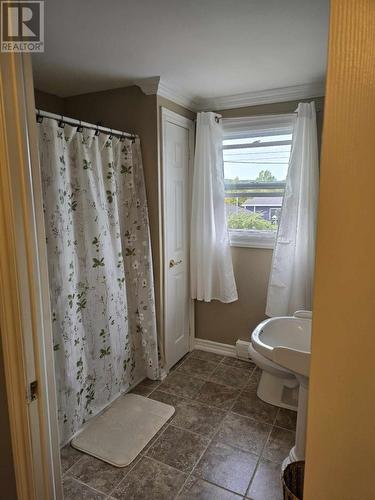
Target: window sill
pixel 252 239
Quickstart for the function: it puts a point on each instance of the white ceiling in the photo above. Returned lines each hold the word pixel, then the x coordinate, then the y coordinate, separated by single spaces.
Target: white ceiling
pixel 203 48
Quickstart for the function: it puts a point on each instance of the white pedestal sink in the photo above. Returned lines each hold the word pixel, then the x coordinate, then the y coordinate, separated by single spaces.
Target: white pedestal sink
pixel 287 342
pixel 298 450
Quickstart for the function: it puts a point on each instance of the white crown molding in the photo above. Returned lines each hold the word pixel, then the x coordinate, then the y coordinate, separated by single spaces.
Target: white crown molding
pixel 156 86
pixel 185 100
pixel 269 96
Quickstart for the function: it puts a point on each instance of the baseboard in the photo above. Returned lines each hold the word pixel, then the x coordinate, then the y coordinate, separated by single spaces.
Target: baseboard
pixel 242 349
pixel 215 347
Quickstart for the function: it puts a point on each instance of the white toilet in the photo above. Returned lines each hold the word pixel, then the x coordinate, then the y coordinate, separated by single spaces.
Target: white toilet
pixel 277 386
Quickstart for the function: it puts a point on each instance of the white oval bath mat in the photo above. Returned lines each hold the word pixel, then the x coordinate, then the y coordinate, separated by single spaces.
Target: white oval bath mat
pixel 119 434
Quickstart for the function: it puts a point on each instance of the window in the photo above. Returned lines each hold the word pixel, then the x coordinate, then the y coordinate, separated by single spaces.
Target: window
pixel 256 159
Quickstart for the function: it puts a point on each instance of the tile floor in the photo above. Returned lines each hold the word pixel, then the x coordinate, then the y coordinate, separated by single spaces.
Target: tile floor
pixel 222 443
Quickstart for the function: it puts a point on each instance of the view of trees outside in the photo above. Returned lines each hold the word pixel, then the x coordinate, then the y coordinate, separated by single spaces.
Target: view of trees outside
pixel 256 165
pixel 263 176
pixel 249 220
pixel 243 219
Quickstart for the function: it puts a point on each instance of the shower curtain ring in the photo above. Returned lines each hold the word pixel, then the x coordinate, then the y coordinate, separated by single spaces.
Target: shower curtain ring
pixel 80 128
pixel 61 123
pixel 122 138
pixel 97 129
pixel 111 135
pixel 39 117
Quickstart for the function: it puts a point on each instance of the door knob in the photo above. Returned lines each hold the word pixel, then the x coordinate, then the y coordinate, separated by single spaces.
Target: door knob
pixel 173 263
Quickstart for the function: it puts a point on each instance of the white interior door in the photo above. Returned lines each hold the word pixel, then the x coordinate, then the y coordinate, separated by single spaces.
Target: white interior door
pixel 177 153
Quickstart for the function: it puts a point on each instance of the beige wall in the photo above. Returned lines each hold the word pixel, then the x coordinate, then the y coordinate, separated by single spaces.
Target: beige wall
pixel 226 323
pixel 341 420
pixel 49 102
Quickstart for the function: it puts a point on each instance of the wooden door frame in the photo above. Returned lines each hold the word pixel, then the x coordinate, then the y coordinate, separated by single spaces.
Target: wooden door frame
pixel 168 116
pixel 25 319
pixel 340 447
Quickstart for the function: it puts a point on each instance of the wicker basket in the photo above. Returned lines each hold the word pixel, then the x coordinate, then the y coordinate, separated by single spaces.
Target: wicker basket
pixel 292 479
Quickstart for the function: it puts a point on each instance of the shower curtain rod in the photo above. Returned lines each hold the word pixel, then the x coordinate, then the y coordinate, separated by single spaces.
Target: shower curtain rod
pixel 71 121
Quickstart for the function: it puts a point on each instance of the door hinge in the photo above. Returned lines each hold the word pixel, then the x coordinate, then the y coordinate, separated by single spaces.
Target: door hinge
pixel 32 392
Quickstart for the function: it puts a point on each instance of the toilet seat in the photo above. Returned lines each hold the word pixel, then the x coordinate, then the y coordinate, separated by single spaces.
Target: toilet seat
pixel 267 364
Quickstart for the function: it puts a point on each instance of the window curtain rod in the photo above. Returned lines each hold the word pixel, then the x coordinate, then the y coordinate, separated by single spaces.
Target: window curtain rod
pixel 264 115
pixel 80 124
pixel 219 118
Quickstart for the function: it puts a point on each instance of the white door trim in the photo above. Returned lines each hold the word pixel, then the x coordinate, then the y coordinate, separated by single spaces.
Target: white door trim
pixel 168 116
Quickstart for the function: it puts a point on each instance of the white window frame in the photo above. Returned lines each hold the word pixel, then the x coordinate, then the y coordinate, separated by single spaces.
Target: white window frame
pixel 252 238
pixel 254 126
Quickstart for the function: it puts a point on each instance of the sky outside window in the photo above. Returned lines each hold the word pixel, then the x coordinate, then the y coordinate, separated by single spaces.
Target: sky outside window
pixel 247 163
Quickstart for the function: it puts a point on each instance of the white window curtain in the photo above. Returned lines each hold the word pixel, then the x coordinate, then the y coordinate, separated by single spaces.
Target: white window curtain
pixel 212 275
pixel 291 279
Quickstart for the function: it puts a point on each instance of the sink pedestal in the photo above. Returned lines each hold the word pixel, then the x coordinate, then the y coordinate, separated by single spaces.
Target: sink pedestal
pixel 286 341
pixel 298 450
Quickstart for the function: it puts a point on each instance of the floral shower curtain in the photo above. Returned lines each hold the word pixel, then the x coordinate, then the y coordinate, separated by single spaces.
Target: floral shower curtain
pixel 100 269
